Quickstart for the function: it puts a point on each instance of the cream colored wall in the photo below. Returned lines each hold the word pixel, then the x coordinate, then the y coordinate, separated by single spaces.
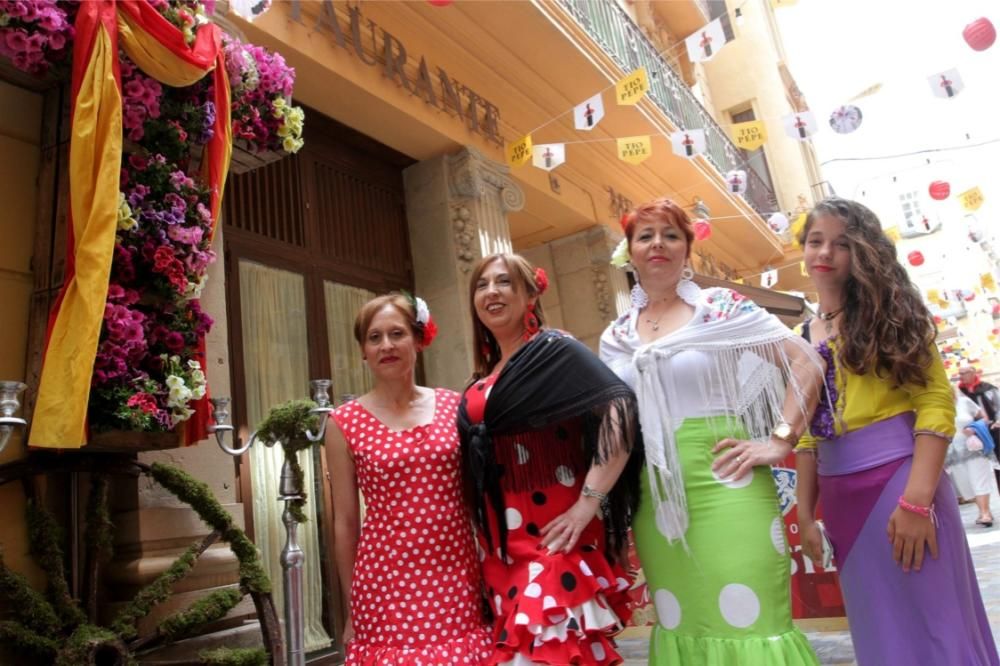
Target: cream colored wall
pixel 745 73
pixel 20 145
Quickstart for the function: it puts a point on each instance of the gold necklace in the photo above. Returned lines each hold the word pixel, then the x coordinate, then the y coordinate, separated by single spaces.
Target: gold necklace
pixel 827 319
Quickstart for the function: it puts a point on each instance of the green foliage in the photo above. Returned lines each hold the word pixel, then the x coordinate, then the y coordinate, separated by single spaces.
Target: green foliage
pixel 99 525
pixel 33 611
pixel 78 647
pixel 209 608
pixel 44 536
pixel 27 642
pixel 154 593
pixel 234 657
pixel 199 497
pixel 287 424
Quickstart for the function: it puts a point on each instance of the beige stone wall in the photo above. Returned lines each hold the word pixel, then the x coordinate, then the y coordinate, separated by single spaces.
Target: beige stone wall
pixel 586 292
pixel 745 74
pixel 20 145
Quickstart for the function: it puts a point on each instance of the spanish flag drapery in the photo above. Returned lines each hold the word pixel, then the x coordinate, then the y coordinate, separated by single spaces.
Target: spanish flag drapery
pixel 158 49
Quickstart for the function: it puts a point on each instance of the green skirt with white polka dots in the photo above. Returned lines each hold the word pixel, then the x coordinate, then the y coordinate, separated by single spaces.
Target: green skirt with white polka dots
pixel 726 599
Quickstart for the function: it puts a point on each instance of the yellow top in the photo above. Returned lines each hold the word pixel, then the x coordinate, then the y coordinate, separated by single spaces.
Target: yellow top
pixel 865 399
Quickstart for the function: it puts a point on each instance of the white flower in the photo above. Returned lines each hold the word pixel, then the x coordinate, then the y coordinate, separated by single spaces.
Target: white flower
pixel 423 312
pixel 621 257
pixel 194 364
pixel 174 382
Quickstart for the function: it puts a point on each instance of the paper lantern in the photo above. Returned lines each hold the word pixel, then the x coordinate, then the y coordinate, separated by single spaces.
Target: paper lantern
pixel 980 34
pixel 939 190
pixel 778 222
pixel 702 230
pixel 937 319
pixel 916 258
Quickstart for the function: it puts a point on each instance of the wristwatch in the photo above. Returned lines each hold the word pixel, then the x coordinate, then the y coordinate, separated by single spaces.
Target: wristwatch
pixel 597 494
pixel 783 431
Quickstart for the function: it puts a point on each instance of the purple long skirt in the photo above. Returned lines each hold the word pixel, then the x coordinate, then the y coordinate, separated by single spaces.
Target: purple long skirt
pixel 934 616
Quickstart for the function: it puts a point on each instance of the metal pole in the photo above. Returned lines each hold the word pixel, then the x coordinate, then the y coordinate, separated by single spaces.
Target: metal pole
pixel 292 559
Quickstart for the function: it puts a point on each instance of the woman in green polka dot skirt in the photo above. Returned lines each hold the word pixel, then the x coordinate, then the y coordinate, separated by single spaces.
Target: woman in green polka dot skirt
pixel 723 389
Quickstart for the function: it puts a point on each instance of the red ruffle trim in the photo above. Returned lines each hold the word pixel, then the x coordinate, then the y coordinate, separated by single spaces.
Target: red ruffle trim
pixel 566 613
pixel 474 648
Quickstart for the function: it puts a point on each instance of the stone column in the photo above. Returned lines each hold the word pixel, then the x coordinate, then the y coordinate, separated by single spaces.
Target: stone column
pixel 456 207
pixel 589 292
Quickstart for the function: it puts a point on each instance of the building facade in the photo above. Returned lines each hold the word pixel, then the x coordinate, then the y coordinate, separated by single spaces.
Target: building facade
pixel 403 183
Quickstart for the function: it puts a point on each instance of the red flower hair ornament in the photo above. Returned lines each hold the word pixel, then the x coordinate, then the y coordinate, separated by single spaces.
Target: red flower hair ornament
pixel 426 327
pixel 541 280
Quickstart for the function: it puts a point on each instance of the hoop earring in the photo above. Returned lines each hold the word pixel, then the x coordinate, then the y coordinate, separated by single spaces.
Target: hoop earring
pixel 687 273
pixel 531 324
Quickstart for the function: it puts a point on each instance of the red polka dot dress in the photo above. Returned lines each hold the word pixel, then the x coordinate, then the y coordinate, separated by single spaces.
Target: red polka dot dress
pixel 551 609
pixel 415 593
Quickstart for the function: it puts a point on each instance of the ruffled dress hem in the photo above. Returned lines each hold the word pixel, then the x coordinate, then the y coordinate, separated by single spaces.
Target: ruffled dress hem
pixel 788 649
pixel 474 648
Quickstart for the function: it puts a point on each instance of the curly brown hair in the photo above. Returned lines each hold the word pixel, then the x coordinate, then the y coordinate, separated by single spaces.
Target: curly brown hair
pixel 885 324
pixel 485 350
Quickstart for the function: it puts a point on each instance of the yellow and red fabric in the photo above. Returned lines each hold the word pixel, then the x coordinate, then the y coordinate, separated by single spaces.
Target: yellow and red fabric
pixel 158 48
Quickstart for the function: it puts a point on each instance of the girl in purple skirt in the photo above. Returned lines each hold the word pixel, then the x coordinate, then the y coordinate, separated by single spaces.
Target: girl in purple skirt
pixel 875 453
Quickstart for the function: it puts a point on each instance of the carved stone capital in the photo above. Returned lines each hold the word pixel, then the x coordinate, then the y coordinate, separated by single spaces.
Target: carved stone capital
pixel 472 175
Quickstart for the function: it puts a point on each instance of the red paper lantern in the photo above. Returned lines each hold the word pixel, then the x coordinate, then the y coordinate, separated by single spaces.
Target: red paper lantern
pixel 980 34
pixel 937 319
pixel 702 230
pixel 916 258
pixel 940 190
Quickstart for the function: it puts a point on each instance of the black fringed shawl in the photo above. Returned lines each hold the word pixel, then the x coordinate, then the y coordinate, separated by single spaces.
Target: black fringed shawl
pixel 549 380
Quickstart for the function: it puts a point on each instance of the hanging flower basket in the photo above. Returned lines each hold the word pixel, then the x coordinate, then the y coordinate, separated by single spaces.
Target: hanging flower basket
pixel 245 160
pixel 133 441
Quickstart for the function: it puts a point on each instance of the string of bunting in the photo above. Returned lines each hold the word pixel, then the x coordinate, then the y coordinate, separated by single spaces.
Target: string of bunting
pixel 703 45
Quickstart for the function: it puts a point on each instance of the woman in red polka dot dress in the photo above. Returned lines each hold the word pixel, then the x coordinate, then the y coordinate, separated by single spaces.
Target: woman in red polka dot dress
pixel 552 457
pixel 411 569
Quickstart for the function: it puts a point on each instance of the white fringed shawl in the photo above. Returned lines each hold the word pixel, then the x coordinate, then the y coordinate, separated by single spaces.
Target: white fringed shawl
pixel 748 363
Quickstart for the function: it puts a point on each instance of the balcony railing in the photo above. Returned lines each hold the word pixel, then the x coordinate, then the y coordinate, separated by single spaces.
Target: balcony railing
pixel 618 35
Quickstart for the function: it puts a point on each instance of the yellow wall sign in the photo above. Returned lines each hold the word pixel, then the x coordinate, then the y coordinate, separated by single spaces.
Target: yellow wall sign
pixel 519 152
pixel 630 89
pixel 750 135
pixel 892 233
pixel 971 199
pixel 634 149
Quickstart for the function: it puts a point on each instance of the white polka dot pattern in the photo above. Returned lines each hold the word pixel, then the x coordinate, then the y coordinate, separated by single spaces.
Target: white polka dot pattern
pixel 739 606
pixel 416 573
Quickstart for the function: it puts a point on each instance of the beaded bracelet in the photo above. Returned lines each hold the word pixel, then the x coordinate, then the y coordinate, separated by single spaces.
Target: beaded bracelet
pixel 925 511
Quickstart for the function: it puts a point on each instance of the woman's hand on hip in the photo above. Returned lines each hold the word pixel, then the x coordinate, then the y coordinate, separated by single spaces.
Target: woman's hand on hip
pixel 562 534
pixel 739 456
pixel 909 533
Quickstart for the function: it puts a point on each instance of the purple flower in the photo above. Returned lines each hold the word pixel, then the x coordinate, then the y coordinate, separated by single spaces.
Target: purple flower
pixel 822 425
pixel 174 342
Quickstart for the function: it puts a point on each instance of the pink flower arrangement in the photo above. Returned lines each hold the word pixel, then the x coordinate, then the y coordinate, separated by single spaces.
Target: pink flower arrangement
pixel 261 85
pixel 148 370
pixel 36 34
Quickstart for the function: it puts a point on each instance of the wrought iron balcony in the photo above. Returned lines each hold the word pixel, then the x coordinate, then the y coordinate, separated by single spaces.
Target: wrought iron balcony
pixel 618 35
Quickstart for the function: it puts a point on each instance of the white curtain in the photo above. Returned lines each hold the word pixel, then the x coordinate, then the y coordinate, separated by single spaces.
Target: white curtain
pixel 275 355
pixel 350 374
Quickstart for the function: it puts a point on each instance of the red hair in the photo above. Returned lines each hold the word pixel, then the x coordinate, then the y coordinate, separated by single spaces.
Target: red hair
pixel 658 210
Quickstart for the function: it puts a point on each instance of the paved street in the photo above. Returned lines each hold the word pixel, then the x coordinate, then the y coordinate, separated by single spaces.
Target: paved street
pixel 835 647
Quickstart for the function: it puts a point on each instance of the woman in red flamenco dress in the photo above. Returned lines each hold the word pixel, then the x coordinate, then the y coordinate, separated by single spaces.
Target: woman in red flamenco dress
pixel 551 452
